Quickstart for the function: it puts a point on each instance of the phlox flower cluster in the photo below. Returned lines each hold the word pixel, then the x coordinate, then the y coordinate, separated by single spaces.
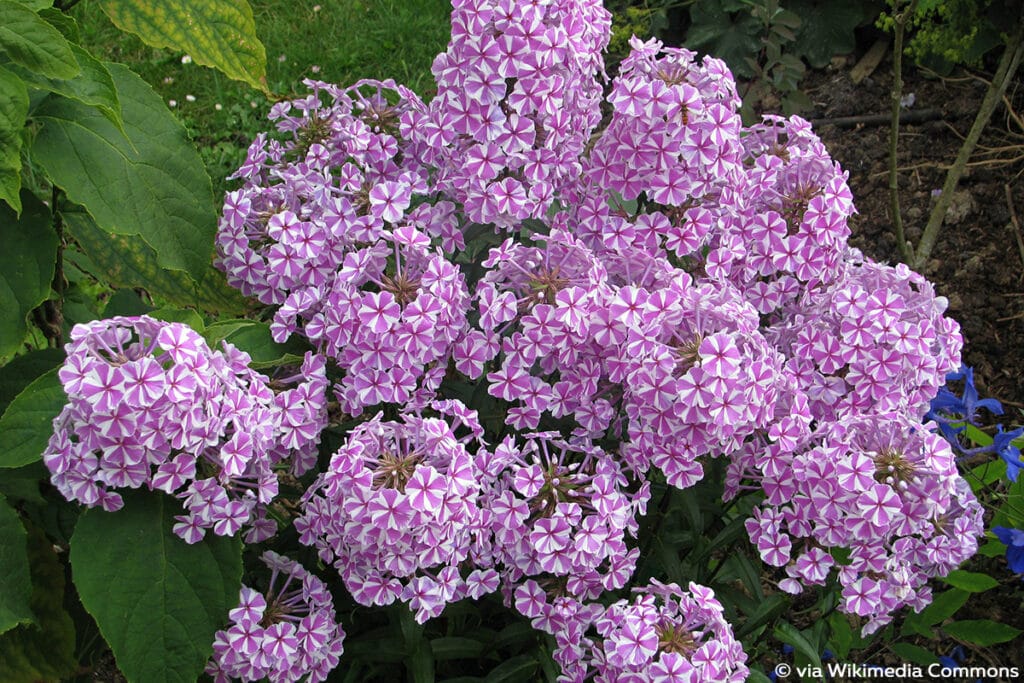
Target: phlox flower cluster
pixel 323 228
pixel 673 134
pixel 151 405
pixel 881 486
pixel 561 515
pixel 665 633
pixel 289 632
pixel 517 100
pixel 398 511
pixel 781 227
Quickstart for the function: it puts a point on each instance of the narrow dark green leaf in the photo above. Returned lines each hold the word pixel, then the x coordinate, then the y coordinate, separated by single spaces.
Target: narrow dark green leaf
pixel 516 635
pixel 791 635
pixel 914 653
pixel 519 668
pixel 15 582
pixel 421 664
pixel 217 33
pixel 43 651
pixel 151 184
pixel 456 648
pixel 767 609
pixel 13 110
pixel 129 262
pixel 972 582
pixel 982 632
pixel 33 43
pixel 157 600
pixel 27 423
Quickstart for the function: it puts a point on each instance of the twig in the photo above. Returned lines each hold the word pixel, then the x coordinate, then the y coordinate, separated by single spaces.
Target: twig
pixel 1011 113
pixel 1007 67
pixel 917 116
pixel 1014 222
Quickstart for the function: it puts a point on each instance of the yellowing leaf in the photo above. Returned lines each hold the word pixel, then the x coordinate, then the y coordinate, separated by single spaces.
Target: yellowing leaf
pixel 217 33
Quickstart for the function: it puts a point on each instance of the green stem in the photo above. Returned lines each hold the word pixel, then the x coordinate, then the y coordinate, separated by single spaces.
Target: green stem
pixel 993 95
pixel 905 249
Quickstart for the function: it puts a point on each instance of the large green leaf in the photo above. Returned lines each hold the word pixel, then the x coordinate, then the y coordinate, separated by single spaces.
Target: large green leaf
pixel 826 29
pixel 45 650
pixel 972 582
pixel 28 252
pixel 158 601
pixel 15 584
pixel 217 33
pixel 27 423
pixel 982 632
pixel 128 262
pixel 726 30
pixel 13 110
pixel 253 337
pixel 23 370
pixel 150 184
pixel 93 86
pixel 32 42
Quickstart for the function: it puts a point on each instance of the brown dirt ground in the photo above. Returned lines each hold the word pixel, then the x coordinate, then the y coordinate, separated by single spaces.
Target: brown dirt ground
pixel 978 262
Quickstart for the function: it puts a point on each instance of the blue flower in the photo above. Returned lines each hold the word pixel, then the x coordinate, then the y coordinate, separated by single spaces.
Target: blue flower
pixel 948 408
pixel 1014 540
pixel 1002 443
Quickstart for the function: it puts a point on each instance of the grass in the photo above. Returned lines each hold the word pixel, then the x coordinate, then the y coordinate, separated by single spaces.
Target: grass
pixel 339 41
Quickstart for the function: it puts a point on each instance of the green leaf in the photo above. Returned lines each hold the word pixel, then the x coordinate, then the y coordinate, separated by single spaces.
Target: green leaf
pixel 455 647
pixel 36 5
pixel 943 606
pixel 519 668
pixel 767 610
pixel 33 43
pixel 840 635
pixel 94 86
pixel 972 582
pixel 179 315
pixel 125 302
pixel 13 110
pixel 61 21
pixel 43 651
pixel 718 28
pixel 421 664
pixel 15 583
pixel 22 483
pixel 914 654
pixel 128 262
pixel 20 372
pixel 27 257
pixel 157 600
pixel 791 635
pixel 217 33
pixel 826 29
pixel 254 338
pixel 27 423
pixel 982 632
pixel 150 184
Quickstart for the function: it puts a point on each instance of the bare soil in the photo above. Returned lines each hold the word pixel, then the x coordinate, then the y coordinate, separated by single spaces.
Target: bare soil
pixel 978 263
